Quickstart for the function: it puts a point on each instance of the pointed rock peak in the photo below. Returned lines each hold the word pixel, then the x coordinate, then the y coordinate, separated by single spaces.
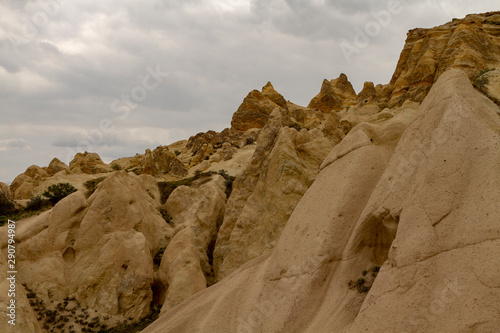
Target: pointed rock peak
pixel 326 85
pixel 268 86
pixel 269 92
pixel 342 78
pixel 342 85
pixel 368 94
pixel 368 85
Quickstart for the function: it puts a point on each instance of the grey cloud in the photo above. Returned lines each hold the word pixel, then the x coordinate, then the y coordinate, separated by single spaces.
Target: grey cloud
pixel 65 79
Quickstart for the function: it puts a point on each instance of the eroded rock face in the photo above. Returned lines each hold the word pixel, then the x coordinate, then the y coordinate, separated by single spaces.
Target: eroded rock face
pixel 161 161
pixel 186 267
pixel 89 163
pixel 4 188
pixel 24 317
pixel 284 165
pixel 256 108
pixel 470 44
pixel 23 185
pixel 56 166
pixel 334 95
pixel 99 250
pixel 412 193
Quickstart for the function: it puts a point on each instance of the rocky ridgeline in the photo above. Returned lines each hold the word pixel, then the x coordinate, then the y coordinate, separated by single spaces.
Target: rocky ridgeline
pixel 292 208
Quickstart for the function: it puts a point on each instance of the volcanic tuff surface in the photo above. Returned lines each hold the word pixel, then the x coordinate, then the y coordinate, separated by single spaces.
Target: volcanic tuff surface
pixel 325 218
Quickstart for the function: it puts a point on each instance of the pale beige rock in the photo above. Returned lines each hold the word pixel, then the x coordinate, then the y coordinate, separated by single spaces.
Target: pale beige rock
pixel 24 317
pixel 283 167
pixel 34 171
pixel 25 190
pixel 4 188
pixel 418 205
pixel 56 166
pixel 99 249
pixel 196 212
pixel 89 163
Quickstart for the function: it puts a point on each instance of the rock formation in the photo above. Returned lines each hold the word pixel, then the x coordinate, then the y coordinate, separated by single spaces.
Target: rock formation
pixel 196 214
pixel 407 199
pixel 282 168
pixel 334 95
pixel 256 108
pixel 470 44
pixel 369 212
pixel 162 160
pixel 89 163
pixel 25 317
pixel 56 166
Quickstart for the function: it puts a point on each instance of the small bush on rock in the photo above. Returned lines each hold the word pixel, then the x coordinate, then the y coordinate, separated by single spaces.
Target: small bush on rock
pixel 59 191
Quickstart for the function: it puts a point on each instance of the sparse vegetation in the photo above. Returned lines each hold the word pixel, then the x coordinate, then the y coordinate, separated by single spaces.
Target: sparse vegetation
pixel 91 185
pixel 165 215
pixel 481 80
pixel 59 191
pixel 70 316
pixel 363 284
pixel 176 152
pixel 10 211
pixel 116 167
pixel 229 182
pixel 126 327
pixel 7 208
pixel 296 126
pixel 166 188
pixel 37 203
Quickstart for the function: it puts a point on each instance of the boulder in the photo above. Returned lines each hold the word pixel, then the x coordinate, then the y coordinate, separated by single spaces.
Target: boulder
pixel 89 163
pixel 56 166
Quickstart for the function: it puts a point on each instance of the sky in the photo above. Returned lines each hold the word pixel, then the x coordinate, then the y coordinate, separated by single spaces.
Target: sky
pixel 118 77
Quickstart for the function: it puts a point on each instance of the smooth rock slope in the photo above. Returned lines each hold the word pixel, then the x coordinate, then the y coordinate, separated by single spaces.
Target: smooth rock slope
pixel 423 206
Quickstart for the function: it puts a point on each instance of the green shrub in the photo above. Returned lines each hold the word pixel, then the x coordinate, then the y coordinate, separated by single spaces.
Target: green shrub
pixel 481 81
pixel 59 191
pixel 296 126
pixel 116 167
pixel 228 182
pixel 7 208
pixel 91 185
pixel 176 152
pixel 37 203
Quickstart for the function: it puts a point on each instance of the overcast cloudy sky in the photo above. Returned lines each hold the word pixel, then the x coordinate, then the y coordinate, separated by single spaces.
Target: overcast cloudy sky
pixel 117 77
